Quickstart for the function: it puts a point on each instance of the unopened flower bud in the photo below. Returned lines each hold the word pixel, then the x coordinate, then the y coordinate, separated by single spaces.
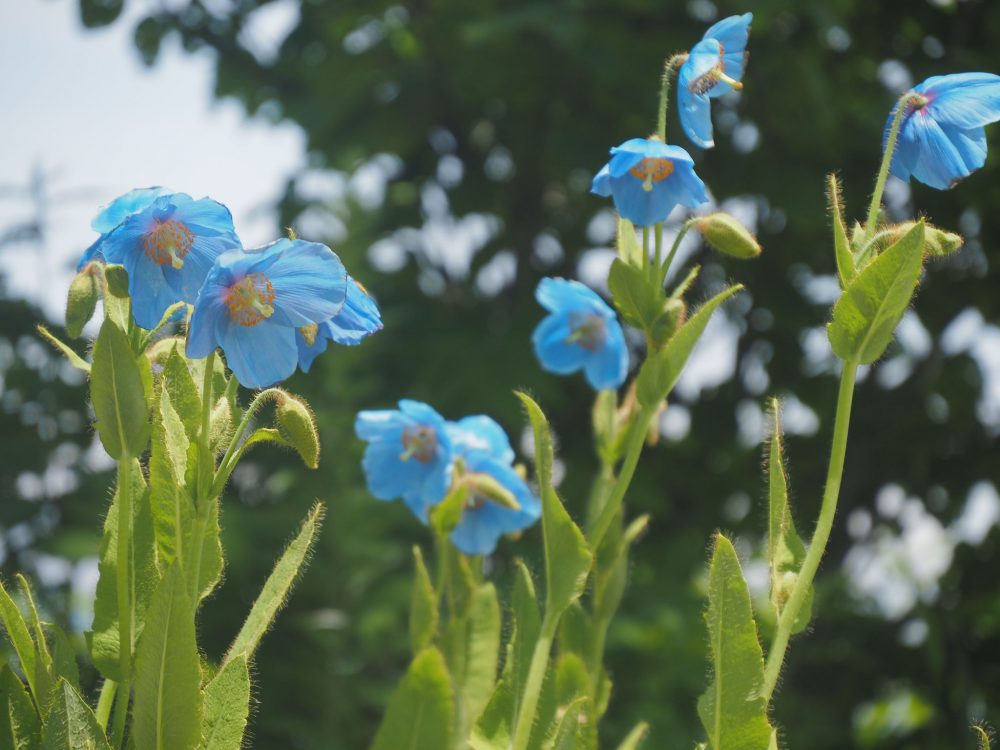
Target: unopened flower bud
pixel 297 425
pixel 483 486
pixel 82 300
pixel 116 278
pixel 727 235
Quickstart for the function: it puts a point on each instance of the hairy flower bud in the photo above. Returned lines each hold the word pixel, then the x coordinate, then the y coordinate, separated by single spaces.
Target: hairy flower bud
pixel 82 299
pixel 727 235
pixel 297 425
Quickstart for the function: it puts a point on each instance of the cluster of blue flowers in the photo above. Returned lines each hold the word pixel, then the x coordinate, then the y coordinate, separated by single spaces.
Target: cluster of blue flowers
pixel 270 309
pixel 414 454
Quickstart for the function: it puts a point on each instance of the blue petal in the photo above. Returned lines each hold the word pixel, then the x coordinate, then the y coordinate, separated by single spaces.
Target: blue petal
pixel 480 528
pixel 608 366
pixel 260 355
pixel 310 282
pixel 357 319
pixel 732 33
pixel 210 317
pixel 940 163
pixel 566 295
pixel 91 253
pixel 387 475
pixel 150 293
pixel 376 424
pixel 695 112
pixel 551 348
pixel 963 100
pixel 124 206
pixel 648 148
pixel 481 433
pixel 421 413
pixel 309 352
pixel 602 182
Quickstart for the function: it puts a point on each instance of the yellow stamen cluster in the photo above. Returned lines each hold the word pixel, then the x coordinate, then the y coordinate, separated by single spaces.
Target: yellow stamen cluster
pixel 250 300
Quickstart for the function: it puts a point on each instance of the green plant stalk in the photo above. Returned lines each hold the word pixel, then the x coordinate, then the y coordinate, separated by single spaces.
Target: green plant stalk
pixel 669 68
pixel 685 228
pixel 883 172
pixel 645 247
pixel 658 239
pixel 121 715
pixel 206 475
pixel 817 546
pixel 108 691
pixel 636 439
pixel 235 450
pixel 533 685
pixel 124 591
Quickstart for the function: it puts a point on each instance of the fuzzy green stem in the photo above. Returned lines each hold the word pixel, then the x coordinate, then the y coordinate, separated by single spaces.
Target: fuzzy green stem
pixel 206 477
pixel 104 703
pixel 817 546
pixel 121 715
pixel 235 450
pixel 636 439
pixel 123 569
pixel 533 685
pixel 669 68
pixel 883 173
pixel 645 247
pixel 685 228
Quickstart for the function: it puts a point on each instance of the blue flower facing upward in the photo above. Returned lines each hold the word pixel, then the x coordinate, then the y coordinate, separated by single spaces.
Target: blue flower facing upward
pixel 357 319
pixel 168 248
pixel 113 214
pixel 253 303
pixel 580 333
pixel 647 178
pixel 409 455
pixel 942 137
pixel 713 68
pixel 483 449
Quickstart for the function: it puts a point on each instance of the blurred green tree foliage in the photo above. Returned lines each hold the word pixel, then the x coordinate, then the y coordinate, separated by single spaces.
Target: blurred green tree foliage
pixel 451 144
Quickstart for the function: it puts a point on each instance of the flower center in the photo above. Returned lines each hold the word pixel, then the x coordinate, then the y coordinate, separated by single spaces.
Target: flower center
pixel 168 242
pixel 250 300
pixel 420 442
pixel 589 331
pixel 653 169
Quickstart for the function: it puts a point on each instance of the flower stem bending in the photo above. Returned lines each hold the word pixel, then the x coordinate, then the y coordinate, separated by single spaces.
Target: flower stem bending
pixel 883 172
pixel 669 68
pixel 817 546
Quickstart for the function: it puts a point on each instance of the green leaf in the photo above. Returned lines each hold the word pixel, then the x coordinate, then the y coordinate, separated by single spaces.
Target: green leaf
pixel 171 503
pixel 482 653
pixel 661 369
pixel 212 561
pixel 774 741
pixel 567 558
pixel 64 656
pixel 45 678
pixel 524 603
pixel 227 706
pixel 634 738
pixel 841 244
pixel 183 391
pixel 571 728
pixel 20 638
pixel 103 638
pixel 447 514
pixel 868 311
pixel 629 249
pixel 74 359
pixel 785 550
pixel 118 395
pixel 19 725
pixel 167 712
pixel 493 730
pixel 733 711
pixel 71 724
pixel 420 714
pixel 275 591
pixel 636 297
pixel 117 304
pixel 423 606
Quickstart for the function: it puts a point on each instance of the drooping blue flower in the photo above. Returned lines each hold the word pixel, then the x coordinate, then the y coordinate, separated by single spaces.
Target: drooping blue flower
pixel 713 68
pixel 357 319
pixel 580 333
pixel 113 214
pixel 409 455
pixel 482 447
pixel 252 304
pixel 647 178
pixel 942 137
pixel 168 248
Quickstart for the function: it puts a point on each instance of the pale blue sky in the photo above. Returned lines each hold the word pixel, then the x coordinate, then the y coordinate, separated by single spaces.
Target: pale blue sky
pixel 80 105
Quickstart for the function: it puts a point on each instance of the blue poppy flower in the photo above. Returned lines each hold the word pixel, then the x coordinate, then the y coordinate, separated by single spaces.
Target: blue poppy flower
pixel 253 303
pixel 942 137
pixel 114 214
pixel 714 67
pixel 357 319
pixel 483 448
pixel 580 333
pixel 409 455
pixel 647 178
pixel 168 248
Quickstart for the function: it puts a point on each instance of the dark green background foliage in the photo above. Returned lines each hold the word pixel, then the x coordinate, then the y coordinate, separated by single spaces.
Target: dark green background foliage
pixel 543 89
